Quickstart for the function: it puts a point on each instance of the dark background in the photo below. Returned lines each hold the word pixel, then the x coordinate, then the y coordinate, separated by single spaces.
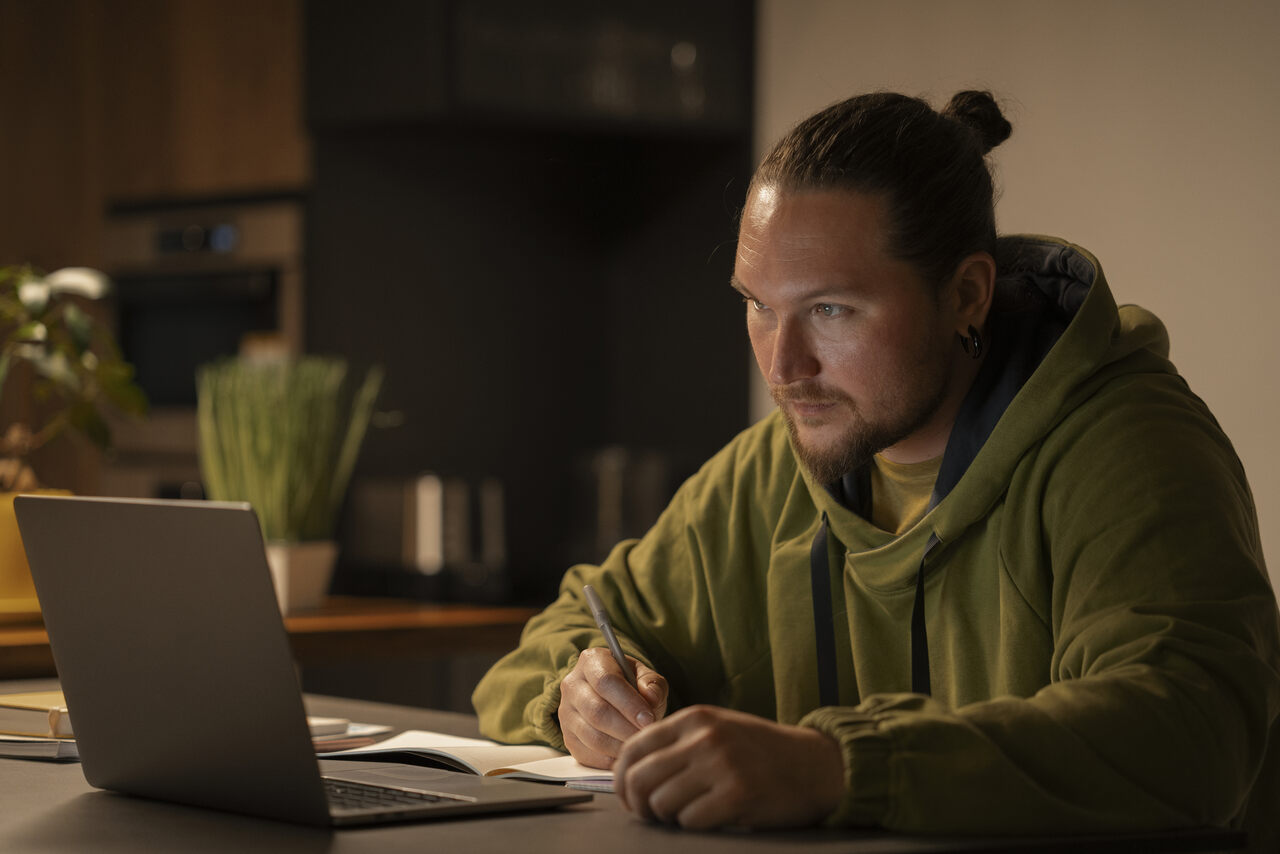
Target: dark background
pixel 543 272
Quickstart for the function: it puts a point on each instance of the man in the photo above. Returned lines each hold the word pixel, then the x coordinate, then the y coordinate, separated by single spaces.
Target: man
pixel 990 567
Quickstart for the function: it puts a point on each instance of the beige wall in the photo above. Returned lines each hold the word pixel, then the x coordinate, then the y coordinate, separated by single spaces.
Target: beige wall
pixel 1145 130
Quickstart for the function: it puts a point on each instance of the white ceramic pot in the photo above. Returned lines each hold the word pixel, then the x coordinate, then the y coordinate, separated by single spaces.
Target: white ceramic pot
pixel 301 572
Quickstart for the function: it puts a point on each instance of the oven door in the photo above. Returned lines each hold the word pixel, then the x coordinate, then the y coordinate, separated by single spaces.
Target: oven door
pixel 171 324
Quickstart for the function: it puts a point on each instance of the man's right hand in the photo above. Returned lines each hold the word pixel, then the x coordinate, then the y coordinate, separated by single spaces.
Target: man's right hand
pixel 599 709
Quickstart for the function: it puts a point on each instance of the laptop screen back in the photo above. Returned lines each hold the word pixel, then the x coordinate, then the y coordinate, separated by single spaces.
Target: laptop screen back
pixel 172 653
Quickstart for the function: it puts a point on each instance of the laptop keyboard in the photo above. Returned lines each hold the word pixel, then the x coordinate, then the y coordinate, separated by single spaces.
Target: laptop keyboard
pixel 343 794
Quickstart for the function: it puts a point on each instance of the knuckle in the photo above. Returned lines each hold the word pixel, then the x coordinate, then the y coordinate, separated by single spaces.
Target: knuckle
pixel 713 738
pixel 611 682
pixel 700 716
pixel 655 686
pixel 593 707
pixel 599 669
pixel 601 742
pixel 594 657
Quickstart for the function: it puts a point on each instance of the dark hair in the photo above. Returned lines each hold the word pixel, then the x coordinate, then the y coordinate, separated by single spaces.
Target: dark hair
pixel 929 166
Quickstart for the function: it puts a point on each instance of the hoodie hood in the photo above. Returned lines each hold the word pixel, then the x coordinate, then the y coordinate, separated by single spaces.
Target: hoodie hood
pixel 1054 335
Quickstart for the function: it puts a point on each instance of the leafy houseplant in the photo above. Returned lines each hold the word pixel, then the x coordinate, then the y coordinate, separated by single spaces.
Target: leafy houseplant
pixel 284 436
pixel 69 372
pixel 74 365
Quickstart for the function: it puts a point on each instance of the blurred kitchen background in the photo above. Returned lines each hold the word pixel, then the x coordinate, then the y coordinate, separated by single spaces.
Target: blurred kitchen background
pixel 526 213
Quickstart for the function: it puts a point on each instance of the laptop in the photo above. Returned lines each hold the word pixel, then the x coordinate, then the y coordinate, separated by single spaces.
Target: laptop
pixel 171 651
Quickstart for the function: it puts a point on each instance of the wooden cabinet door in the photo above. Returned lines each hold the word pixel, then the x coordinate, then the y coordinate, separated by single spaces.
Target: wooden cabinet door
pixel 202 98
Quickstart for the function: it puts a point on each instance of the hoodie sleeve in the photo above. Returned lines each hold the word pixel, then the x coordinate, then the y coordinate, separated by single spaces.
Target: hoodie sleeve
pixel 662 593
pixel 1164 688
pixel 518 699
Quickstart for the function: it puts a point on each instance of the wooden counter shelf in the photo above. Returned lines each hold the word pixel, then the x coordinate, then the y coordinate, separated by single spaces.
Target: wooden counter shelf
pixel 344 628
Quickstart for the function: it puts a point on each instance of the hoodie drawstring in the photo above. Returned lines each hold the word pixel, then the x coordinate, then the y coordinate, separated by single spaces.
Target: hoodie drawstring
pixel 824 623
pixel 919 636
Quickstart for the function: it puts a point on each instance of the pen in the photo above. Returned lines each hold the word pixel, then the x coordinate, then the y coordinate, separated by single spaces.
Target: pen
pixel 602 620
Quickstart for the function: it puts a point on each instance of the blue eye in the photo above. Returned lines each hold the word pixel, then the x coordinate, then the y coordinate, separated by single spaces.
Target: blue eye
pixel 827 310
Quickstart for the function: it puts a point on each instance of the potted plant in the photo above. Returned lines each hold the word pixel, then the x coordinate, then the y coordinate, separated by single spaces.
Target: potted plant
pixel 284 435
pixel 68 371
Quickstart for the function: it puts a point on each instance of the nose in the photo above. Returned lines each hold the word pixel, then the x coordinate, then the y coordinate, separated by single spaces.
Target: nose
pixel 792 357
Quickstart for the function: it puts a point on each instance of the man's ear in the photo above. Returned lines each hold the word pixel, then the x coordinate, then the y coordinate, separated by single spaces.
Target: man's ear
pixel 971 291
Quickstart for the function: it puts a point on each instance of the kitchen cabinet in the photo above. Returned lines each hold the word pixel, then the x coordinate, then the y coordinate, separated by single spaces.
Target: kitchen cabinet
pixel 622 66
pixel 50 165
pixel 201 98
pixel 108 100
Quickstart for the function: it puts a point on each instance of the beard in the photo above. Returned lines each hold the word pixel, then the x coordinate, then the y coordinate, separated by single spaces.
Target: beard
pixel 862 437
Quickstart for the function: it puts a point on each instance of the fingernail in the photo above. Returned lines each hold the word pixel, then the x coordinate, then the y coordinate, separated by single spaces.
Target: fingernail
pixel 644 718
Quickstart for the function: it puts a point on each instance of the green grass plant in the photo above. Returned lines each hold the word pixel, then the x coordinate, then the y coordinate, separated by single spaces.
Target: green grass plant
pixel 284 436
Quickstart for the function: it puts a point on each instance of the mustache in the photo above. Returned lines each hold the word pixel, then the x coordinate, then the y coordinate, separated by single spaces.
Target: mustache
pixel 806 392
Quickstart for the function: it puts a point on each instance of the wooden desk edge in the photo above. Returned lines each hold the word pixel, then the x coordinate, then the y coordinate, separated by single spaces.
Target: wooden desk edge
pixel 344 627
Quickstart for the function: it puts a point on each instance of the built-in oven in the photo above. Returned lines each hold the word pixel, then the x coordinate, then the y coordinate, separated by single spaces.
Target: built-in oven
pixel 193 282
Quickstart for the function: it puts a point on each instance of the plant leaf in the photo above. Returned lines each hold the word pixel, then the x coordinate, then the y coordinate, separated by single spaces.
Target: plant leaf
pixel 116 382
pixel 84 417
pixel 31 331
pixel 80 325
pixel 58 369
pixel 284 437
pixel 34 295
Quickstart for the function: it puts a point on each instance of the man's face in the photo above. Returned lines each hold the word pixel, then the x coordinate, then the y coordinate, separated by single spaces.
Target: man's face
pixel 857 349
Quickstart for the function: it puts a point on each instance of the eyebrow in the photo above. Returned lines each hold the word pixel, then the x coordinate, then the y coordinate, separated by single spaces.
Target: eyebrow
pixel 819 294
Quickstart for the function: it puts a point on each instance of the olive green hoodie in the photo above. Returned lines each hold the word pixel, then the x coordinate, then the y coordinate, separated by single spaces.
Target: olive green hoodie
pixel 1098 629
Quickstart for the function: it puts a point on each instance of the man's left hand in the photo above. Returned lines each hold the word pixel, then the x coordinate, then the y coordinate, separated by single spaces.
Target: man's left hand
pixel 706 767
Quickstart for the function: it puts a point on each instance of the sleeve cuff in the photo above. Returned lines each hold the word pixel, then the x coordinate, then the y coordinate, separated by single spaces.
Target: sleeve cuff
pixel 865 748
pixel 544 710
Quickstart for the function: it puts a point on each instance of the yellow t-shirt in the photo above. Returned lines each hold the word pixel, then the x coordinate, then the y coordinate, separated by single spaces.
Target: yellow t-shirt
pixel 900 492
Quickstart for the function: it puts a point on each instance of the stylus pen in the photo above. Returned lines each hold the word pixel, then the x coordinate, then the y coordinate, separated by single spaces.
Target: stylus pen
pixel 602 620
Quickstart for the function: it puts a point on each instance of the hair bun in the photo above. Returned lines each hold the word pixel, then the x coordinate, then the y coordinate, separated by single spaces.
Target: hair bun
pixel 979 112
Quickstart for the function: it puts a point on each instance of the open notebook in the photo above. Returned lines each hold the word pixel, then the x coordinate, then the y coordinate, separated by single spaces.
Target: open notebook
pixel 483 757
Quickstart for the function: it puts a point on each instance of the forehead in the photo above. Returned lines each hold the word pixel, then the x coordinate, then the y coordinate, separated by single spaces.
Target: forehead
pixel 822 233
